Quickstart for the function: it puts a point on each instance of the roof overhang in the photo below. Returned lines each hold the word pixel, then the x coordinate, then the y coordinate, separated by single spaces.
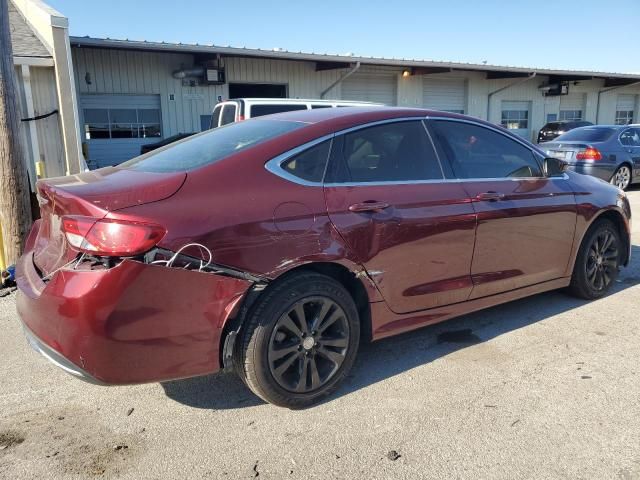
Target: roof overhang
pixel 34 61
pixel 330 61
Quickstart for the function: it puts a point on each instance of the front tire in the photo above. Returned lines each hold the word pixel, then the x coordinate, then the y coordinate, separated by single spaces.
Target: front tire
pixel 598 261
pixel 622 177
pixel 299 341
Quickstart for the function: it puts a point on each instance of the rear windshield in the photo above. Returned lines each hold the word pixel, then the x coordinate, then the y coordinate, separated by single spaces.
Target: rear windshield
pixel 210 146
pixel 260 110
pixel 586 134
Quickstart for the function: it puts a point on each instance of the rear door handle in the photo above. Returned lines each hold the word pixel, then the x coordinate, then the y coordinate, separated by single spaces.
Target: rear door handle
pixel 368 206
pixel 490 196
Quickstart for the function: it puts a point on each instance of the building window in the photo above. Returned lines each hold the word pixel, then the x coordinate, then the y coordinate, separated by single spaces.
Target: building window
pixel 571 115
pixel 515 119
pixel 624 117
pixel 104 123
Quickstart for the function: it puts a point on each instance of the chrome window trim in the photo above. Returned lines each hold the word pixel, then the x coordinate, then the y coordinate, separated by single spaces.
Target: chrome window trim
pixel 275 164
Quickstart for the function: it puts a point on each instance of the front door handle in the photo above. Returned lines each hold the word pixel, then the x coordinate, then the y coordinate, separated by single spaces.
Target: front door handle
pixel 368 206
pixel 490 196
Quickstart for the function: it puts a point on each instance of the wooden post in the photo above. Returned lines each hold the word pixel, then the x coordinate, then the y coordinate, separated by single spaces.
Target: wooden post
pixel 15 210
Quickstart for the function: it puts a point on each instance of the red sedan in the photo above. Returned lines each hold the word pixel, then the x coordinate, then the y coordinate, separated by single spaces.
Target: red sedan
pixel 276 244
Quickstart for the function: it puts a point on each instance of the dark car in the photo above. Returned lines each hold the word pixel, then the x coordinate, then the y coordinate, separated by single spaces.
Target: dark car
pixel 274 245
pixel 153 146
pixel 553 129
pixel 609 152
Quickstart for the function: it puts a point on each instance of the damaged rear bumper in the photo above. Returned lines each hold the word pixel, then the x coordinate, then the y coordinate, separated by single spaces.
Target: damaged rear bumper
pixel 132 323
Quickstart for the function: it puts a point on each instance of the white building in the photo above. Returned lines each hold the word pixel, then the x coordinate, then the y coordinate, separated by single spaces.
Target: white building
pixel 128 94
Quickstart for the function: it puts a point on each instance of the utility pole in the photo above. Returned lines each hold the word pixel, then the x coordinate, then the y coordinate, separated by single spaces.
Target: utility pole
pixel 15 209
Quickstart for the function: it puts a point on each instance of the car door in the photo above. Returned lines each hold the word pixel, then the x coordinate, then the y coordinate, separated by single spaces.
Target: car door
pixel 411 230
pixel 630 140
pixel 526 221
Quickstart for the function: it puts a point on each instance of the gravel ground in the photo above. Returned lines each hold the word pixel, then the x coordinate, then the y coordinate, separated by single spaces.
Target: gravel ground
pixel 546 387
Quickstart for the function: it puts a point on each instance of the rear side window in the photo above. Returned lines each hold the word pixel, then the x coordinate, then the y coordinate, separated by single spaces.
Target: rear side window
pixel 585 134
pixel 310 164
pixel 260 110
pixel 630 137
pixel 478 152
pixel 228 114
pixel 391 152
pixel 320 106
pixel 210 146
pixel 215 116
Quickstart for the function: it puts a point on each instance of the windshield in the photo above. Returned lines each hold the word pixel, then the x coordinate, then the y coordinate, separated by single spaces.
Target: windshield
pixel 210 146
pixel 586 134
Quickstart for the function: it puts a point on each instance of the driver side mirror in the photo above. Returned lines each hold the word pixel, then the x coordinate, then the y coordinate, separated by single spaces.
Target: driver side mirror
pixel 554 167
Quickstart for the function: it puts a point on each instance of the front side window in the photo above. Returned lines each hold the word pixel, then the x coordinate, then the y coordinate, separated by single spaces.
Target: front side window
pixel 391 152
pixel 310 164
pixel 110 123
pixel 478 152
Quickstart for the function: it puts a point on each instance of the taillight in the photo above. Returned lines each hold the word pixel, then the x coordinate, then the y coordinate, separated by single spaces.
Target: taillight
pixel 589 153
pixel 106 237
pixel 240 118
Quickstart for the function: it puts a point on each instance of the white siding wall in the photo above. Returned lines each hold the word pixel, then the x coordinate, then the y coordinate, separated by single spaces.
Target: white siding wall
pixel 45 100
pixel 129 72
pixel 48 132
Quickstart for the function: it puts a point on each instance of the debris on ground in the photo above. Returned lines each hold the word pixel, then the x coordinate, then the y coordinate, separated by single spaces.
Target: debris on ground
pixel 393 455
pixel 130 411
pixel 10 439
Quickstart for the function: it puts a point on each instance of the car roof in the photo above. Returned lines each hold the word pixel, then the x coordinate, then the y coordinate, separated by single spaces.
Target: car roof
pixel 357 115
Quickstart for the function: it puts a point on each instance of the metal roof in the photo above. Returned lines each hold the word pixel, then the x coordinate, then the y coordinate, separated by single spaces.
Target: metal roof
pixel 23 40
pixel 422 66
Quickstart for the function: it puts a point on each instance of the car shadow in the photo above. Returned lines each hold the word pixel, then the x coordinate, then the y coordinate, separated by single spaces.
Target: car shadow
pixel 386 358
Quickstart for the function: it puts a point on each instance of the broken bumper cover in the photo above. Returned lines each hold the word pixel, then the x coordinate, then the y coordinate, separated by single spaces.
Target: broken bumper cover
pixel 133 323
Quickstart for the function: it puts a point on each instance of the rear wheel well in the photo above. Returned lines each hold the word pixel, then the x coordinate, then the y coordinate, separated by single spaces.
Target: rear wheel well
pixel 337 272
pixel 617 219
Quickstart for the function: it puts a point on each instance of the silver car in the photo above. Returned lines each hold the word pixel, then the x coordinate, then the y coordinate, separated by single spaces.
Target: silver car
pixel 609 152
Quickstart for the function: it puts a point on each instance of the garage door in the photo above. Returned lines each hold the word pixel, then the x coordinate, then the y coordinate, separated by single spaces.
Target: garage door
pixel 444 94
pixel 516 116
pixel 572 106
pixel 116 126
pixel 370 87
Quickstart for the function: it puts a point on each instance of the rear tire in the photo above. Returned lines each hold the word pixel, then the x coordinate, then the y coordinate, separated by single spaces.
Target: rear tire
pixel 622 177
pixel 299 341
pixel 598 261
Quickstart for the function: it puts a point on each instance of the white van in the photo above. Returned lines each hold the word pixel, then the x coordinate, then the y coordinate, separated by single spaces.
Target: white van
pixel 239 109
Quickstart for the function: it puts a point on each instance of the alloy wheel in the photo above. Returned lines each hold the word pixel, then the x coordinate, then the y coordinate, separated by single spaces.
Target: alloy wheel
pixel 308 344
pixel 602 260
pixel 622 177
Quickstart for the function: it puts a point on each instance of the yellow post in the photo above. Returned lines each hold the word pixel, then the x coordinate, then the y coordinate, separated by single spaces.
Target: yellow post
pixel 3 261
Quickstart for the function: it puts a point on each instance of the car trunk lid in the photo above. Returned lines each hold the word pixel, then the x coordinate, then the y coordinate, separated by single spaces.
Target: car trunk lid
pixel 92 194
pixel 566 150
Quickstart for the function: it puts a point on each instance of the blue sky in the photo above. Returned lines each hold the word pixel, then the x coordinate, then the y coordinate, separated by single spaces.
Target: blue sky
pixel 573 34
